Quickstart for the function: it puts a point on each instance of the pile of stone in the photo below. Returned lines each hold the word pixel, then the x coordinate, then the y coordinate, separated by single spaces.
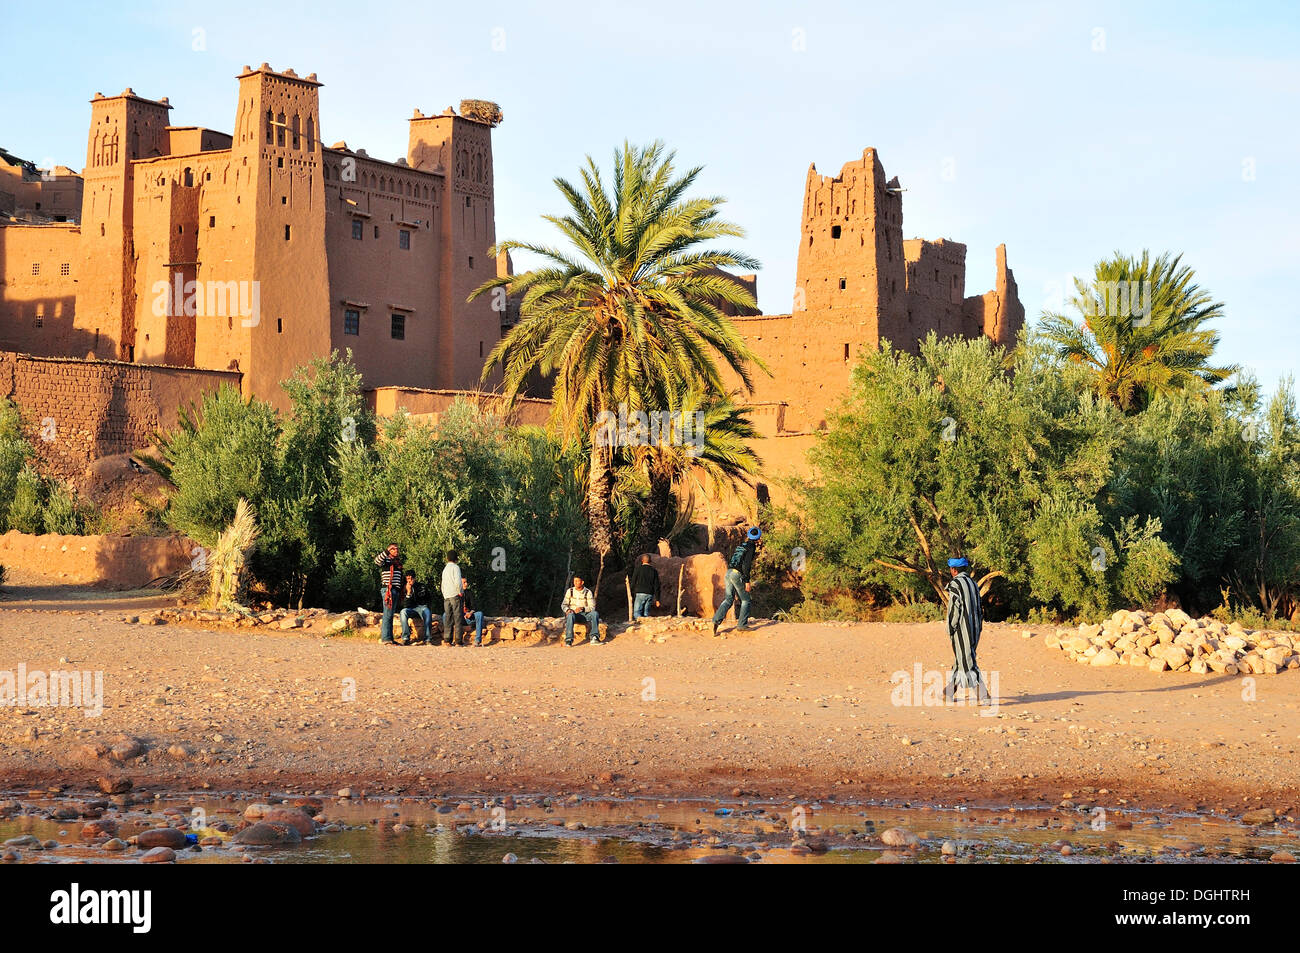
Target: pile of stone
pixel 243 618
pixel 1174 641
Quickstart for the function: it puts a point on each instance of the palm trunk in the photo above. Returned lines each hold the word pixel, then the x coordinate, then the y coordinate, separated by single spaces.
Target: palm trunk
pixel 655 518
pixel 600 487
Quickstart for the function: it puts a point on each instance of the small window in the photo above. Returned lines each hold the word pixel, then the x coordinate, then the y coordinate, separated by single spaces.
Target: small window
pixel 284 200
pixel 357 229
pixel 403 239
pixel 279 325
pixel 467 201
pixel 846 353
pixel 376 231
pixel 480 348
pixel 286 233
pixel 212 221
pixel 471 261
pixel 65 269
pixel 180 229
pixel 40 317
pixel 399 327
pixel 835 231
pixel 843 283
pixel 279 161
pixel 36 268
pixel 351 322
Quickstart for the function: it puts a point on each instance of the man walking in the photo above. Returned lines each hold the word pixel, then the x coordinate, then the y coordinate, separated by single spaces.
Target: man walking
pixel 580 602
pixel 452 616
pixel 645 588
pixel 390 589
pixel 965 623
pixel 739 567
pixel 417 604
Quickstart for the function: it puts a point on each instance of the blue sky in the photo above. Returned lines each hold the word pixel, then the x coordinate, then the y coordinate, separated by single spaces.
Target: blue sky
pixel 1066 132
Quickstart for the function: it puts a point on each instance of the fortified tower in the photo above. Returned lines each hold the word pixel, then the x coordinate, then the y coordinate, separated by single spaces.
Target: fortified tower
pixel 123 128
pixel 461 146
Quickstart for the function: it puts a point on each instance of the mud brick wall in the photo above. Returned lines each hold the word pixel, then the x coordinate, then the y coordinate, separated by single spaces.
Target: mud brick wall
pixel 77 411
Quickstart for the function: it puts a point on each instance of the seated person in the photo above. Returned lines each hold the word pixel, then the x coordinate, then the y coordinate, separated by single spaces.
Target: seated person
pixel 472 616
pixel 417 604
pixel 580 602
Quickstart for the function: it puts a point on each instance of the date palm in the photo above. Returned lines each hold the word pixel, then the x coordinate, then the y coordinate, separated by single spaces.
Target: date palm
pixel 633 303
pixel 1141 330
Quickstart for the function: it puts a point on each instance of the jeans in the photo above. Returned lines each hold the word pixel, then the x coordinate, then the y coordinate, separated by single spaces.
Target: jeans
pixel 593 625
pixel 451 611
pixel 641 606
pixel 386 626
pixel 477 618
pixel 735 590
pixel 426 616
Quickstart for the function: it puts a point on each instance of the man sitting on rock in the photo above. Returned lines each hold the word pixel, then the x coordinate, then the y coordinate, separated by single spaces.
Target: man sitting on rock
pixel 580 602
pixel 417 604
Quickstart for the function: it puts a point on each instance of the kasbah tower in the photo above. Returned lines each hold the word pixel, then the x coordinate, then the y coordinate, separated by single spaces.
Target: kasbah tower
pixel 295 248
pixel 858 282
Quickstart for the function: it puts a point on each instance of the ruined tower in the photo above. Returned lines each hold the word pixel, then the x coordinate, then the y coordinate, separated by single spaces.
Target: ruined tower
pixel 850 263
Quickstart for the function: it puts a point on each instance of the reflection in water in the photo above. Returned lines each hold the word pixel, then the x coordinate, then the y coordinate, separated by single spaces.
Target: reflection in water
pixel 540 829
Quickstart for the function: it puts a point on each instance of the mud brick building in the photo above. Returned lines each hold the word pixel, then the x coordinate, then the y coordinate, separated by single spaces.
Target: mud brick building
pixel 259 249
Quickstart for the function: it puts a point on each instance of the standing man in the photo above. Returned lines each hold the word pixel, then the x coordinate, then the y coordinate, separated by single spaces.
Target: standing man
pixel 417 604
pixel 390 589
pixel 579 601
pixel 739 567
pixel 965 622
pixel 645 587
pixel 452 584
pixel 471 615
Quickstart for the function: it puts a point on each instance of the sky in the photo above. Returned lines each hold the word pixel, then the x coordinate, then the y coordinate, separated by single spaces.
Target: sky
pixel 1067 132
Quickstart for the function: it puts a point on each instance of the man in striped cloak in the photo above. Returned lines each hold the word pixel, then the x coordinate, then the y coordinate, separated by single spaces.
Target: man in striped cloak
pixel 965 622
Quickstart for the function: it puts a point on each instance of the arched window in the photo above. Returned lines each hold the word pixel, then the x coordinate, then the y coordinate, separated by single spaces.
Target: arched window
pixel 297 128
pixel 311 133
pixel 279 129
pixel 270 129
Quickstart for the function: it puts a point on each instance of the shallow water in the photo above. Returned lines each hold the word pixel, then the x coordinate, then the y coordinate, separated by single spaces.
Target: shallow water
pixel 539 829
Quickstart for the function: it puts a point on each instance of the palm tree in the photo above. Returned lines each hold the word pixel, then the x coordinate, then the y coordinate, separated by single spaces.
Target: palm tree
pixel 703 456
pixel 632 303
pixel 1142 330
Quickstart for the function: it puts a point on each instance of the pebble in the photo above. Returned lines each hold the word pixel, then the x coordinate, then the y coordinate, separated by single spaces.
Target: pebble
pixel 899 837
pixel 161 837
pixel 159 855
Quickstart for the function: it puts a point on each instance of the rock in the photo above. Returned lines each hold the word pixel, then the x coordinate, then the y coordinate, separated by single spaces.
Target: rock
pixel 10 855
pixel 1105 657
pixel 295 817
pixel 115 785
pixel 1263 815
pixel 899 837
pixel 126 749
pixel 293 622
pixel 1282 857
pixel 103 827
pixel 509 859
pixel 949 849
pixel 180 752
pixel 255 812
pixel 1158 665
pixel 159 855
pixel 161 837
pixel 23 840
pixel 345 792
pixel 268 834
pixel 115 844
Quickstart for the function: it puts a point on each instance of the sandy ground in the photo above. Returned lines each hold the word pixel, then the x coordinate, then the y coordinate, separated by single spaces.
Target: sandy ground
pixel 784 710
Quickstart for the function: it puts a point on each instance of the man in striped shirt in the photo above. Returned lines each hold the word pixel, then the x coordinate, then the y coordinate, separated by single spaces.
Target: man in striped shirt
pixel 965 622
pixel 391 587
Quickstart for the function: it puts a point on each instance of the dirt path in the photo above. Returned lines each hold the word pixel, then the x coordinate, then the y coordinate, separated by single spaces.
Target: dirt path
pixel 786 710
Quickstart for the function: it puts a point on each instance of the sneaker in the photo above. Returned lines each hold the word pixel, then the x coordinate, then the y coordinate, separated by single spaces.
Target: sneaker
pixel 593 641
pixel 715 629
pixel 742 628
